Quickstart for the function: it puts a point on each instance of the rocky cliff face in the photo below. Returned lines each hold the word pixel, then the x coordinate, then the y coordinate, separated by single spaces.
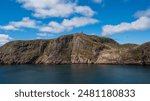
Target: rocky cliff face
pixel 75 48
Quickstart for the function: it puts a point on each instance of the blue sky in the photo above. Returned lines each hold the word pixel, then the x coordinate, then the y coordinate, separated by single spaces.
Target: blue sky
pixel 126 21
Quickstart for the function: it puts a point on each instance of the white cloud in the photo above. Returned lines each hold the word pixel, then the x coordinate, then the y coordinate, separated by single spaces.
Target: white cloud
pixel 84 10
pixel 55 8
pixel 24 23
pixel 98 1
pixel 53 27
pixel 4 38
pixel 78 22
pixel 8 27
pixel 66 24
pixel 93 34
pixel 142 13
pixel 142 23
pixel 44 34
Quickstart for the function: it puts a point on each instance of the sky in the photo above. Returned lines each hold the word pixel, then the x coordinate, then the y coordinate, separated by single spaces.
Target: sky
pixel 126 21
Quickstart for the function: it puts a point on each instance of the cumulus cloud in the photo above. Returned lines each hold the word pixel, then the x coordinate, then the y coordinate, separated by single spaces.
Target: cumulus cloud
pixel 142 23
pixel 24 23
pixel 53 27
pixel 43 34
pixel 8 27
pixel 98 1
pixel 84 10
pixel 4 38
pixel 55 8
pixel 67 24
pixel 142 13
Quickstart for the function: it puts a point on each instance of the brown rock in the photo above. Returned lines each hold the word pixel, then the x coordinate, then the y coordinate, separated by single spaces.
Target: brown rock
pixel 74 48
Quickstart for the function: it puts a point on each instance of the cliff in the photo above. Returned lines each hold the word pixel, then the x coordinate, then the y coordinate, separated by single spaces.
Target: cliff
pixel 74 48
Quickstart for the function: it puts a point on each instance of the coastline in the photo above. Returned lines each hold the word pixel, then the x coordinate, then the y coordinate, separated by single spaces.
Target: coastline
pixel 75 49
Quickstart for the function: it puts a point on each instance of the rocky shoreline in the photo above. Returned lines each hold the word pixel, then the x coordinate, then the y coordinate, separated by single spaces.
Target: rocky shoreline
pixel 76 48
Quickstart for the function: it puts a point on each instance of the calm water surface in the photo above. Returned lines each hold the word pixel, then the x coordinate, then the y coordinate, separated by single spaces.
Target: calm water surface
pixel 75 73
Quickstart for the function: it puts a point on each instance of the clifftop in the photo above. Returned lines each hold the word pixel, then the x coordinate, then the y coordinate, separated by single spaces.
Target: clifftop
pixel 74 48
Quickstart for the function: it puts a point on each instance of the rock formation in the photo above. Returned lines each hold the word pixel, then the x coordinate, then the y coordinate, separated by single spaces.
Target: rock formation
pixel 74 48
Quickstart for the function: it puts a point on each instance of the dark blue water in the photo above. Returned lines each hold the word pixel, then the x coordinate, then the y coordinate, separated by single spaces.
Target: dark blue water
pixel 75 73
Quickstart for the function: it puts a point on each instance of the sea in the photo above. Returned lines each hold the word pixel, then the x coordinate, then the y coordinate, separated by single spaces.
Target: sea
pixel 74 74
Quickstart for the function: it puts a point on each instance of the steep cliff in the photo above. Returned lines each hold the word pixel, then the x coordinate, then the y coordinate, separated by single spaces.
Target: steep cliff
pixel 74 48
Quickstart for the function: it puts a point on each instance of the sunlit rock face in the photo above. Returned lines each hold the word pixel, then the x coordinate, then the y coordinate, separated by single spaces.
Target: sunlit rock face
pixel 76 48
